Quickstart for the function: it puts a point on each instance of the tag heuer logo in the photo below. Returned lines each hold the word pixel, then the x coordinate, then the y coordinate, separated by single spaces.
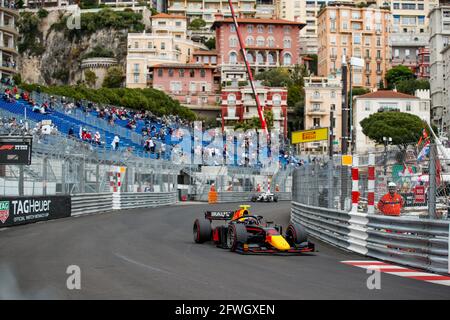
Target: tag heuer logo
pixel 4 211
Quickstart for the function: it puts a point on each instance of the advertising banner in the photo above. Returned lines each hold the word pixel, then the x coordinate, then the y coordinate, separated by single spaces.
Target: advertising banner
pixel 15 150
pixel 319 134
pixel 22 210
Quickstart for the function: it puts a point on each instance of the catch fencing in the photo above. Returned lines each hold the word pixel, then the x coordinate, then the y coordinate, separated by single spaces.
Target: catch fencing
pixel 348 218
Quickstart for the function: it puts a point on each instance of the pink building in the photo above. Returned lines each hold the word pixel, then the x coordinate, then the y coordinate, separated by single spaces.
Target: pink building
pixel 238 104
pixel 191 84
pixel 270 43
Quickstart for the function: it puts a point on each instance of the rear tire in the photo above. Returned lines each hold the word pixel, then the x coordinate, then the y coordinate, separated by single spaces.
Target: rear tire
pixel 202 230
pixel 275 199
pixel 253 199
pixel 296 234
pixel 237 234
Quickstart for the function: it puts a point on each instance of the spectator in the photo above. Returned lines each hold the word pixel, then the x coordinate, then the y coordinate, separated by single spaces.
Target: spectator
pixel 97 138
pixel 115 142
pixel 71 133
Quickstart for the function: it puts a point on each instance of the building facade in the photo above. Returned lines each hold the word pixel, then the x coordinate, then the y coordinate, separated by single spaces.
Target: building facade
pixel 386 101
pixel 239 105
pixel 439 40
pixel 191 84
pixel 206 9
pixel 446 82
pixel 305 11
pixel 348 30
pixel 167 43
pixel 323 108
pixel 270 43
pixel 8 39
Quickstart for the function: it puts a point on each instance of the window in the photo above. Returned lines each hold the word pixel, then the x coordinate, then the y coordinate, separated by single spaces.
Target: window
pixel 408 106
pixel 396 53
pixel 271 58
pixel 316 122
pixel 202 73
pixel 163 46
pixel 136 78
pixel 178 23
pixel 276 100
pixel 271 42
pixel 170 72
pixel 316 95
pixel 287 30
pixel 233 58
pixel 192 87
pixel 136 45
pixel 333 94
pixel 287 43
pixel 260 58
pixel 250 28
pixel 367 105
pixel 192 73
pixel 149 45
pixel 287 59
pixel 250 57
pixel 136 68
pixel 407 54
pixel 378 42
pixel 231 99
pixel 270 28
pixel 249 41
pixel 356 38
pixel 260 41
pixel 316 106
pixel 160 73
pixel 233 42
pixel 232 28
pixel 260 28
pixel 181 73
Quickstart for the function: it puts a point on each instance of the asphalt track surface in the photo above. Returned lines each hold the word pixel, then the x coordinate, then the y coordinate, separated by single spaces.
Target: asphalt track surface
pixel 150 254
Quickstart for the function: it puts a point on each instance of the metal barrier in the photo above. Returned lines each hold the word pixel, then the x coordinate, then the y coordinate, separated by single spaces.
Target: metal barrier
pixel 411 241
pixel 91 203
pixel 146 199
pixel 231 196
pixel 101 202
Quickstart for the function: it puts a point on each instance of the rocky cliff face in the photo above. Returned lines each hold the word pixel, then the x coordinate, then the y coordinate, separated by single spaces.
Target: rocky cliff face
pixel 60 63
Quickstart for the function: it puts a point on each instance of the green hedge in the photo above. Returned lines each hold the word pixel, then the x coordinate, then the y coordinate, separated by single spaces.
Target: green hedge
pixel 148 99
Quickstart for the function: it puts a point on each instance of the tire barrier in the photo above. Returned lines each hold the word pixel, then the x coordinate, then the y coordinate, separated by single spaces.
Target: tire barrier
pixel 412 241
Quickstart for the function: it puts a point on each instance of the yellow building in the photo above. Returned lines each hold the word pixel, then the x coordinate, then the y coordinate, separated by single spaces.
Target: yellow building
pixel 323 96
pixel 167 43
pixel 350 31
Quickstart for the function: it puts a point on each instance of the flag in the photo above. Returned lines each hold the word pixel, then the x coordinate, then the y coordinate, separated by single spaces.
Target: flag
pixel 407 171
pixel 424 136
pixel 424 152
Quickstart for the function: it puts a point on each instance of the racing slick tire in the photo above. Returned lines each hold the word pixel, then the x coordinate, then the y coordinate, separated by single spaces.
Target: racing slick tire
pixel 202 230
pixel 237 234
pixel 253 198
pixel 275 198
pixel 295 234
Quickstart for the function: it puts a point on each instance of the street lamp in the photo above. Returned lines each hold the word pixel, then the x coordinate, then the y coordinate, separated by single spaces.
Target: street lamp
pixel 386 141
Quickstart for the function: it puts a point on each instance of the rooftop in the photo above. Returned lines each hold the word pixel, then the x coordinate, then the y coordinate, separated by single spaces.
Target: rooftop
pixel 259 21
pixel 386 94
pixel 167 16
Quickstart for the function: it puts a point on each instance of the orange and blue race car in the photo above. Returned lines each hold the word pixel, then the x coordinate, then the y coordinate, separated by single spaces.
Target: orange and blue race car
pixel 250 234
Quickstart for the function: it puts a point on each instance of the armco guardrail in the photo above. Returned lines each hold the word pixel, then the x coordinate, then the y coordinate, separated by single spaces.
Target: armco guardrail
pixel 412 241
pixel 230 196
pixel 91 203
pixel 100 202
pixel 144 199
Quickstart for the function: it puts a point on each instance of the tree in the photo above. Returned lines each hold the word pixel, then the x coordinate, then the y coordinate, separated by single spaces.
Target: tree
pixel 403 128
pixel 211 43
pixel 197 24
pixel 410 86
pixel 91 77
pixel 278 77
pixel 397 74
pixel 114 78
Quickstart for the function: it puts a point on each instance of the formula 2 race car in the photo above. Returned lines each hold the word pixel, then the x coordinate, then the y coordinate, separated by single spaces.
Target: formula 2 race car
pixel 248 234
pixel 264 197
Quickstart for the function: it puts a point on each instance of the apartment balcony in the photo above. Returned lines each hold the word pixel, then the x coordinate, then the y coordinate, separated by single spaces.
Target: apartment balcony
pixel 316 99
pixel 379 59
pixel 379 72
pixel 368 71
pixel 177 9
pixel 250 103
pixel 9 28
pixel 333 56
pixel 194 10
pixel 368 59
pixel 317 112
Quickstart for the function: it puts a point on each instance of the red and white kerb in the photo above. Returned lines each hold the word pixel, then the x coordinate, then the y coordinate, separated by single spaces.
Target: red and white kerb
pixel 355 183
pixel 371 185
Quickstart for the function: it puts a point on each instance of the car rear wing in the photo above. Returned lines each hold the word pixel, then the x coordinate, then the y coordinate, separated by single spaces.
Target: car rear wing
pixel 219 215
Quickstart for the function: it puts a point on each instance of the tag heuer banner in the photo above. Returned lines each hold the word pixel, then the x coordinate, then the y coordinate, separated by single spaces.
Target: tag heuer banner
pixel 22 210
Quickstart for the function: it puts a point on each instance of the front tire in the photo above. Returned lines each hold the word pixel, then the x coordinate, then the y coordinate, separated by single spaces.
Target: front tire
pixel 202 230
pixel 295 234
pixel 237 234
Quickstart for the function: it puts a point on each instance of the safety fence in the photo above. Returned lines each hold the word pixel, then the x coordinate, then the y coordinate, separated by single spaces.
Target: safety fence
pixel 412 241
pixel 223 197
